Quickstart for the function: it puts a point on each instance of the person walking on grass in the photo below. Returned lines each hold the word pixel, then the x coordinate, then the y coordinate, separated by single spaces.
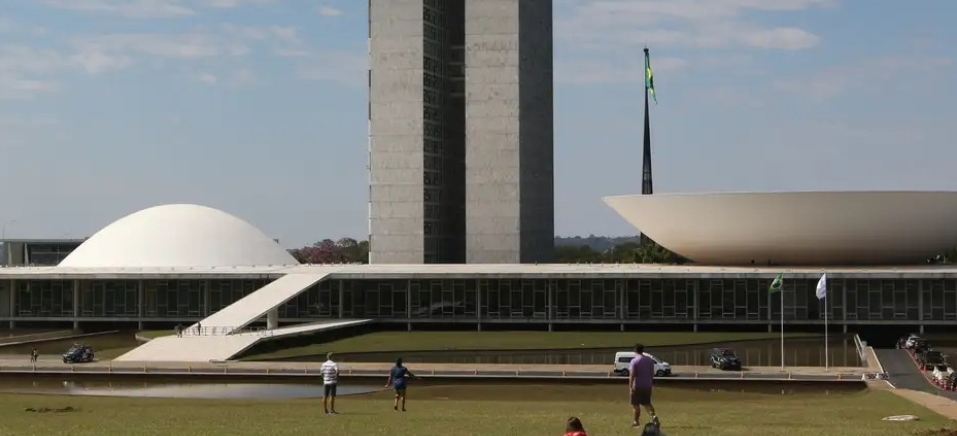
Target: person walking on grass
pixel 398 379
pixel 330 380
pixel 641 373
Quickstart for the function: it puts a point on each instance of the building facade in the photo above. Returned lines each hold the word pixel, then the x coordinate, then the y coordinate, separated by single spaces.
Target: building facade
pixel 688 302
pixel 460 169
pixel 36 252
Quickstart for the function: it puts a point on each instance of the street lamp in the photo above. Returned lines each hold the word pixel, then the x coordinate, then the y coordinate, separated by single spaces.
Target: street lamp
pixel 3 229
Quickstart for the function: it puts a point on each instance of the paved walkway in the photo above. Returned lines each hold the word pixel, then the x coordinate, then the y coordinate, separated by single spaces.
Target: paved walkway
pixel 55 361
pixel 935 403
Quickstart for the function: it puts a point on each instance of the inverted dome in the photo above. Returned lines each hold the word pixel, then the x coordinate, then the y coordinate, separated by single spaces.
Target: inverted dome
pixel 178 235
pixel 797 228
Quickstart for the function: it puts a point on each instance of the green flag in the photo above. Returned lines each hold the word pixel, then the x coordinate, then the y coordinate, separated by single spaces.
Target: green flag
pixel 777 284
pixel 650 77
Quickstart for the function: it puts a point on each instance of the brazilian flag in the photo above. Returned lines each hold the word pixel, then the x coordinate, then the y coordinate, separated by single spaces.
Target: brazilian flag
pixel 650 77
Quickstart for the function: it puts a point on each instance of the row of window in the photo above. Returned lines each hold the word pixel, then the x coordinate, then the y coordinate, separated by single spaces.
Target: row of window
pixel 432 130
pixel 431 113
pixel 432 178
pixel 433 162
pixel 432 194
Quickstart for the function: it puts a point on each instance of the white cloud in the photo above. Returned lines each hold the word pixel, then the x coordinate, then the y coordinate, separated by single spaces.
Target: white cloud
pixel 682 23
pixel 208 78
pixel 150 8
pixel 868 73
pixel 344 67
pixel 327 11
pixel 612 27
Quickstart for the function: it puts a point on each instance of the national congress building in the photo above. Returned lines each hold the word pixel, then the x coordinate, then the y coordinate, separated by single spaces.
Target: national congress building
pixel 461 209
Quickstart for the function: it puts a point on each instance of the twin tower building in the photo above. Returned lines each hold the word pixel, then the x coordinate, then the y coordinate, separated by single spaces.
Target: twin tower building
pixel 461 159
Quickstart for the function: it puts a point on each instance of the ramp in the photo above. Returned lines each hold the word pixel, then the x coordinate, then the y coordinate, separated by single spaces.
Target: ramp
pixel 196 348
pixel 189 348
pixel 240 314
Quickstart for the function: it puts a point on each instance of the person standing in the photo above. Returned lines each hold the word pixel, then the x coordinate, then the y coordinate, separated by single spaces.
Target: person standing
pixel 330 380
pixel 398 378
pixel 641 373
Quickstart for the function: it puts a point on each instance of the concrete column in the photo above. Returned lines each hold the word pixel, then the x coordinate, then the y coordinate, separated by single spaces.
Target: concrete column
pixel 13 301
pixel 478 303
pixel 141 299
pixel 342 297
pixel 272 319
pixel 76 304
pixel 408 308
pixel 205 309
pixel 920 304
pixel 549 308
pixel 694 304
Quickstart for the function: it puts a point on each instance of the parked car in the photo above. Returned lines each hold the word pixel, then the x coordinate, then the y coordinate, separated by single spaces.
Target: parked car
pixel 78 354
pixel 725 359
pixel 623 358
pixel 927 359
pixel 907 341
pixel 919 346
pixel 942 372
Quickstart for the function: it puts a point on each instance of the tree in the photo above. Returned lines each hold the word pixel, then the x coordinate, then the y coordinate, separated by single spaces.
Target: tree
pixel 327 251
pixel 628 252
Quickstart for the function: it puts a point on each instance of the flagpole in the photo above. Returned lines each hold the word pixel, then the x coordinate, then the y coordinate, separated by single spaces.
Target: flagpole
pixel 825 332
pixel 782 324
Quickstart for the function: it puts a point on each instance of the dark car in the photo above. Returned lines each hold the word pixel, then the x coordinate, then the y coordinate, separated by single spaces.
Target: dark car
pixel 919 346
pixel 951 383
pixel 725 359
pixel 78 354
pixel 929 358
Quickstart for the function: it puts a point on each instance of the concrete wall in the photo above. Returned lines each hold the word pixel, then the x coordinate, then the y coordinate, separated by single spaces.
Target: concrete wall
pixel 396 209
pixel 505 220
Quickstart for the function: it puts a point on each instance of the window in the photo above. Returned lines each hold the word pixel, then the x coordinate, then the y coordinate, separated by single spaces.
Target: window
pixel 431 113
pixel 429 228
pixel 431 178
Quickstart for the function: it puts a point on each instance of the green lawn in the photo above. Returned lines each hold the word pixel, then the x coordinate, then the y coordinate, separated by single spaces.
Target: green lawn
pixel 472 411
pixel 518 340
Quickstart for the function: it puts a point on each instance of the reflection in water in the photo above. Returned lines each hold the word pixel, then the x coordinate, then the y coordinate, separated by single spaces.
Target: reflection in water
pixel 798 352
pixel 180 390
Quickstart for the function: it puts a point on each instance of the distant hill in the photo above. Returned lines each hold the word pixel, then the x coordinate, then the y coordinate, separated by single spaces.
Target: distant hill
pixel 597 243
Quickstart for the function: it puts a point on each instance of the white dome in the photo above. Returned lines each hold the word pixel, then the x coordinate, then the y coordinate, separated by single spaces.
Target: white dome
pixel 797 228
pixel 178 235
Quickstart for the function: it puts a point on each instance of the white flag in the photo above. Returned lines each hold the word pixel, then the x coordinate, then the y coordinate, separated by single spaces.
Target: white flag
pixel 822 287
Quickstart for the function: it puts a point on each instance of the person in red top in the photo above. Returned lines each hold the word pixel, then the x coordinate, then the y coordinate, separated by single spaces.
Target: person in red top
pixel 575 427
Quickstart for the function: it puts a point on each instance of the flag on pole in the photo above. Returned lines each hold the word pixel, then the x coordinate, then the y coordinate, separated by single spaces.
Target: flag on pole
pixel 821 290
pixel 777 284
pixel 650 77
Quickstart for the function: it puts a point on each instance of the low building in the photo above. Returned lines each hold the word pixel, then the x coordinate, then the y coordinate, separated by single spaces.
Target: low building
pixel 185 263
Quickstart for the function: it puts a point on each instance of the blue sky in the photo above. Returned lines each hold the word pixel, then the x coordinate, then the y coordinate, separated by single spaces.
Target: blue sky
pixel 257 107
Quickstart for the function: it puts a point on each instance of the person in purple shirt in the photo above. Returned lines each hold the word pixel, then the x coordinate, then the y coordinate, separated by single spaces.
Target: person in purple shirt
pixel 641 372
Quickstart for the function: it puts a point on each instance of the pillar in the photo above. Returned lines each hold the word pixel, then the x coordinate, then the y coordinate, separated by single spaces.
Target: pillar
pixel 342 298
pixel 272 319
pixel 204 312
pixel 920 304
pixel 478 303
pixel 408 308
pixel 13 302
pixel 694 304
pixel 76 304
pixel 141 298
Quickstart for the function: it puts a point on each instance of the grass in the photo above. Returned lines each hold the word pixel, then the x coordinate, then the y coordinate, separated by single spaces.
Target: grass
pixel 471 411
pixel 518 340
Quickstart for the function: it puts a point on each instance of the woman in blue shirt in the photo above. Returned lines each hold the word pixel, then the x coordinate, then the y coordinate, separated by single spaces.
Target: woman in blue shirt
pixel 397 379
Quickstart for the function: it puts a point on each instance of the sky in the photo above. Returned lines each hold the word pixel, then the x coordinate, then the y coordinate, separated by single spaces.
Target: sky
pixel 258 107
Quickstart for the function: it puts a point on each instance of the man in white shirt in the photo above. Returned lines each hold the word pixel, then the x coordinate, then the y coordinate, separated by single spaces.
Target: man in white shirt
pixel 330 378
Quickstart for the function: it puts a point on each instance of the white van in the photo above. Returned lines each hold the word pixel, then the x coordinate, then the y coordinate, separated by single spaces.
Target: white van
pixel 623 358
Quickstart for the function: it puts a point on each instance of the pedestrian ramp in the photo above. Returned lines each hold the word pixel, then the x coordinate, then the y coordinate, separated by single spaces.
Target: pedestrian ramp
pixel 236 316
pixel 220 347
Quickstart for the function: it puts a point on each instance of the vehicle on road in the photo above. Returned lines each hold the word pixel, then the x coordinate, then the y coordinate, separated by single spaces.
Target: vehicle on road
pixel 623 359
pixel 908 341
pixel 78 354
pixel 928 359
pixel 725 359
